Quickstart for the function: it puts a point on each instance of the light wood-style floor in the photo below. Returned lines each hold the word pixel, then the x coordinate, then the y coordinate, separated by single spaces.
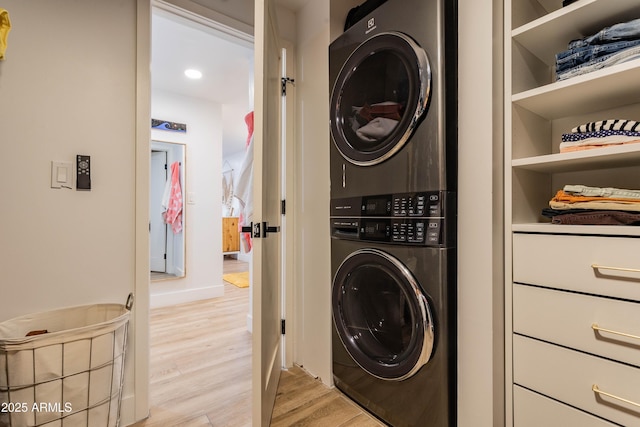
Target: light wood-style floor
pixel 200 371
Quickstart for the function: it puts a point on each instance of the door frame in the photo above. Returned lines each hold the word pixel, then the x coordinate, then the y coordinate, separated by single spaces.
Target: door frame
pixel 289 224
pixel 139 406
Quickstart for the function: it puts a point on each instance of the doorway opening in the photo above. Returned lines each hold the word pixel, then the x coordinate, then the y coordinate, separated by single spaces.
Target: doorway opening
pixel 200 348
pixel 166 211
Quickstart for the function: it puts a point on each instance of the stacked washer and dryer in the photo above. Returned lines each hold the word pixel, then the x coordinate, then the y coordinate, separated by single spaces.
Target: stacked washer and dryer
pixel 393 211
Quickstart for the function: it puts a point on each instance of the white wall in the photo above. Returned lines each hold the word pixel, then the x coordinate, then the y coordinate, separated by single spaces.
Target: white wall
pixel 203 193
pixel 67 87
pixel 480 266
pixel 313 272
pixel 60 246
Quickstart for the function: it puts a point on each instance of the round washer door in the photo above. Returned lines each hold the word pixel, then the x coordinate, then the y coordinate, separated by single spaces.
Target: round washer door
pixel 381 315
pixel 379 98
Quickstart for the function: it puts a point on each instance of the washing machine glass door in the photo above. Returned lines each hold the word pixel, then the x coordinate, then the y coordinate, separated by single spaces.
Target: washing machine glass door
pixel 379 97
pixel 381 315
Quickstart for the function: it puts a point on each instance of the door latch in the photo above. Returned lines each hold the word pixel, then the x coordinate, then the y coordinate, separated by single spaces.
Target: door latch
pixel 252 228
pixel 267 229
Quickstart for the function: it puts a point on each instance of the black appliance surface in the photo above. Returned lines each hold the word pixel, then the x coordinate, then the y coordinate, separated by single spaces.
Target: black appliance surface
pixel 393 110
pixel 394 330
pixel 393 170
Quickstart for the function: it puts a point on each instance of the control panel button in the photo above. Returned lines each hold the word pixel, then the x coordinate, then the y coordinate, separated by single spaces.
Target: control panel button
pixel 416 204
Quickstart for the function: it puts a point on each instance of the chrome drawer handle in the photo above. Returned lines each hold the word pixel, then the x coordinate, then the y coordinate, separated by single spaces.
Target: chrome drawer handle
pixel 604 267
pixel 597 328
pixel 613 396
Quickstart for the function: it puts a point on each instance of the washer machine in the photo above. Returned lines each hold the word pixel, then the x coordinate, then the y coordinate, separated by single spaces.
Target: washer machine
pixel 393 300
pixel 393 105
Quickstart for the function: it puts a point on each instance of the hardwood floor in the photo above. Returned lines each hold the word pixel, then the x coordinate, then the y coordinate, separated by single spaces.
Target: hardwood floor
pixel 305 401
pixel 200 371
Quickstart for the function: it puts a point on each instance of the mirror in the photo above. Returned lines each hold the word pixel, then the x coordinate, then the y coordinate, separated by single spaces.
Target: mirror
pixel 166 210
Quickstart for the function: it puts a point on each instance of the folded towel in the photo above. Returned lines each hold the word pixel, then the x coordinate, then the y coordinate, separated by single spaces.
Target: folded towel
pixel 377 129
pixel 611 124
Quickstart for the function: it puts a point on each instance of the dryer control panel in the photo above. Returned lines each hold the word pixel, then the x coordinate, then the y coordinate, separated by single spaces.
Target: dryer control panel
pixel 423 219
pixel 422 204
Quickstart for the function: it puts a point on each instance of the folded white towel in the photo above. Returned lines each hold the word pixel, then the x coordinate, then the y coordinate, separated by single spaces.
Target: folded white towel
pixel 377 129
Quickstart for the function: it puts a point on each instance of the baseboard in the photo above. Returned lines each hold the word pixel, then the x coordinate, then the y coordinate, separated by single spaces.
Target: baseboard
pixel 127 411
pixel 185 295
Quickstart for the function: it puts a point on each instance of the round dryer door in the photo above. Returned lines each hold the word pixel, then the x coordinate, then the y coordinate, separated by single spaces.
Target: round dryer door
pixel 381 315
pixel 379 97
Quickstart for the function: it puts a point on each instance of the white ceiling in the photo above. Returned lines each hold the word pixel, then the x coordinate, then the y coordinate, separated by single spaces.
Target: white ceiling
pixel 225 62
pixel 227 69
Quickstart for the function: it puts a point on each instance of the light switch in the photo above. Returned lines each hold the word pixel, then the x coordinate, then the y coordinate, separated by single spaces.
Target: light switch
pixel 191 198
pixel 61 174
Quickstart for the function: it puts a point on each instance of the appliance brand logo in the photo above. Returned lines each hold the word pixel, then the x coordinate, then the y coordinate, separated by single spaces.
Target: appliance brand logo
pixel 371 25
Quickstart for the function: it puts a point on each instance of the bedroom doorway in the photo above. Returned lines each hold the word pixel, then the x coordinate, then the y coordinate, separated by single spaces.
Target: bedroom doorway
pixel 200 348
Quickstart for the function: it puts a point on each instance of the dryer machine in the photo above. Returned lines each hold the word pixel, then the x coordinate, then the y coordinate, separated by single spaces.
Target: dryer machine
pixel 393 111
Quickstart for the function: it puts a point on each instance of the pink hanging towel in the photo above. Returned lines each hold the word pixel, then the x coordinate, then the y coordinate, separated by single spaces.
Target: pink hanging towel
pixel 173 215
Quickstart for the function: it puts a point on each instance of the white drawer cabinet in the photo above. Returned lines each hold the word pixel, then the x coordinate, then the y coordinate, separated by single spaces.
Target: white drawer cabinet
pixel 534 410
pixel 569 376
pixel 572 320
pixel 589 264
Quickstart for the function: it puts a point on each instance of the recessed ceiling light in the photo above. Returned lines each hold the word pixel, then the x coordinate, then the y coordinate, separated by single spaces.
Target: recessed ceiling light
pixel 193 74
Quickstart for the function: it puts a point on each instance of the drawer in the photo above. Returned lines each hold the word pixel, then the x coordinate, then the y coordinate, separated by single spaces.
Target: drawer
pixel 565 262
pixel 533 410
pixel 568 318
pixel 568 376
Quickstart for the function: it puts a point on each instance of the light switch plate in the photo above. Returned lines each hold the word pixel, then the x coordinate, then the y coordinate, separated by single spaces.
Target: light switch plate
pixel 61 175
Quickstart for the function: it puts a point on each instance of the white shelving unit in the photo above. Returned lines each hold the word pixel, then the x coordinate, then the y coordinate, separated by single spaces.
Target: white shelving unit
pixel 578 265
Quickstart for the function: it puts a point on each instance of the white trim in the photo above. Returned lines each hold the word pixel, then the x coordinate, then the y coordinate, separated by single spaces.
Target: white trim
pixel 186 295
pixel 250 323
pixel 289 228
pixel 139 330
pixel 221 25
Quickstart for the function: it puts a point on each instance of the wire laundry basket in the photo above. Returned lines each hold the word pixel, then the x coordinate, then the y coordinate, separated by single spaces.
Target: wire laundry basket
pixel 68 371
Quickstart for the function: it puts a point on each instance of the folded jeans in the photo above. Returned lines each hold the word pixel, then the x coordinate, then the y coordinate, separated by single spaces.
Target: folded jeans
pixel 574 57
pixel 622 31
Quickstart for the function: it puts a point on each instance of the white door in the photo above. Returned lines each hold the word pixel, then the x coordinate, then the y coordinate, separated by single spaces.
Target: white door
pixel 157 227
pixel 267 271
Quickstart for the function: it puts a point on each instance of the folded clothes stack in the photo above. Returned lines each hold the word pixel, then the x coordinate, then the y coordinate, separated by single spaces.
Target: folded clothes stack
pixel 580 204
pixel 599 134
pixel 610 46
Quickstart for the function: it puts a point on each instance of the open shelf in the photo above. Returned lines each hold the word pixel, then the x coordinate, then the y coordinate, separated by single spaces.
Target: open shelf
pixel 596 91
pixel 597 158
pixel 551 33
pixel 591 230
